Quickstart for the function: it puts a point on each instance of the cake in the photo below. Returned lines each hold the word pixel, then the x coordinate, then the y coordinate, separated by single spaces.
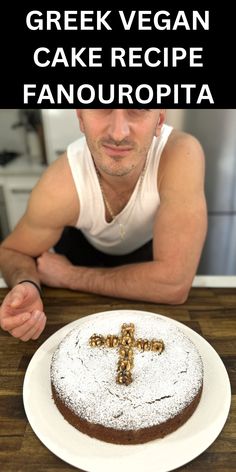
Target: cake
pixel 126 377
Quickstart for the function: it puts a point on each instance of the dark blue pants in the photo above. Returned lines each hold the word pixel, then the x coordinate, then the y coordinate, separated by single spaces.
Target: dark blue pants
pixel 79 251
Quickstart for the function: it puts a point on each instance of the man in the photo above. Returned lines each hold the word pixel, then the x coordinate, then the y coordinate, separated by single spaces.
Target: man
pixel 133 180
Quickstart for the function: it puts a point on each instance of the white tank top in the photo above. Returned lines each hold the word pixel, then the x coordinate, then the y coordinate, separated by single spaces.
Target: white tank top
pixel 137 217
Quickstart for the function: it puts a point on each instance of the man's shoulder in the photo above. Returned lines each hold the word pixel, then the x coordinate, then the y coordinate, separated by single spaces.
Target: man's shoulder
pixel 56 191
pixel 181 147
pixel 57 179
pixel 182 151
pixel 180 140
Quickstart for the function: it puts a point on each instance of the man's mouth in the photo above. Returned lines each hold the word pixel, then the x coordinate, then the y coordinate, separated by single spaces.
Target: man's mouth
pixel 112 150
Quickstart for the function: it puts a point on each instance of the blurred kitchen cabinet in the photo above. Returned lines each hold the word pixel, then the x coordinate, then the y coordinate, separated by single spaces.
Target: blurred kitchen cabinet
pixel 17 191
pixel 17 180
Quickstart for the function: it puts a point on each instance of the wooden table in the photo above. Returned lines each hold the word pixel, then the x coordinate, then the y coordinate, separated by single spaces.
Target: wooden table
pixel 210 312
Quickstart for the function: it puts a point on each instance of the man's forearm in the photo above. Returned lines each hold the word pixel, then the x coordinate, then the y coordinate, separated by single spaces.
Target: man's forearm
pixel 15 267
pixel 148 281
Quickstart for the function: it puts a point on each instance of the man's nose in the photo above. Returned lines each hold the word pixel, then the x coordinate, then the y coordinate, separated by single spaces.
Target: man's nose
pixel 119 127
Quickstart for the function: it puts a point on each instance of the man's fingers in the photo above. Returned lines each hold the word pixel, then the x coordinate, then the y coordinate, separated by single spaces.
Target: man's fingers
pixel 16 301
pixel 14 321
pixel 35 335
pixel 32 322
pixel 17 296
pixel 35 330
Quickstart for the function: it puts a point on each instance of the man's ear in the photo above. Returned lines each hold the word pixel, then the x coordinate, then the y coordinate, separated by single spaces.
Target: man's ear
pixel 80 118
pixel 160 122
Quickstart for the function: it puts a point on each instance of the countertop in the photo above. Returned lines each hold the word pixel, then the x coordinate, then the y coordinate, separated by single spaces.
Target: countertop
pixel 211 281
pixel 209 311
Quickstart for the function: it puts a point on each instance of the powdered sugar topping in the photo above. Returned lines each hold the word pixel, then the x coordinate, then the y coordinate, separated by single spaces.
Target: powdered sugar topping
pixel 85 377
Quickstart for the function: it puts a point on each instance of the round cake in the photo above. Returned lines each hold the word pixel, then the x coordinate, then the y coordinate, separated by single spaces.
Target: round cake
pixel 126 377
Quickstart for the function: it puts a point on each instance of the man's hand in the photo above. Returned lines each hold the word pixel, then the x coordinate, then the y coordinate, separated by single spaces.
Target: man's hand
pixel 21 312
pixel 53 269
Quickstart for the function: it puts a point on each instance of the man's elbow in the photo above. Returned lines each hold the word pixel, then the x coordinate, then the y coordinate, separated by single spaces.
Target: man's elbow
pixel 171 294
pixel 179 293
pixel 175 291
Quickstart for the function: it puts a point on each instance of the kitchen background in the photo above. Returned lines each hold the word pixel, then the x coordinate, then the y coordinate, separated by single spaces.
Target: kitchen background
pixel 32 139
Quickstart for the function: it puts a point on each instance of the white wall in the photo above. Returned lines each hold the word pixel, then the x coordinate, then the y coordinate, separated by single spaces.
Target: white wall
pixel 61 127
pixel 175 118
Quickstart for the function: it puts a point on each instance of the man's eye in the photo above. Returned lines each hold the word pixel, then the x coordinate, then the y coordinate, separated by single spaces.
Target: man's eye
pixel 138 111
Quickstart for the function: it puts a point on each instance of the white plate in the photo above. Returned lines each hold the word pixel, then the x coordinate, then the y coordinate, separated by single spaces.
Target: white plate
pixel 92 455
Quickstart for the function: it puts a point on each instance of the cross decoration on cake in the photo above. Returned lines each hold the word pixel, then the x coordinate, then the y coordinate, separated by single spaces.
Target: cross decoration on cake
pixel 126 343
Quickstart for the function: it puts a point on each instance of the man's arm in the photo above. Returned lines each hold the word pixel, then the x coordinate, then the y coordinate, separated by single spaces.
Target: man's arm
pixel 179 234
pixel 52 205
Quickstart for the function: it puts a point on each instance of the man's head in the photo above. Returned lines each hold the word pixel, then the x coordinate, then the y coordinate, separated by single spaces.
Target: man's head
pixel 119 139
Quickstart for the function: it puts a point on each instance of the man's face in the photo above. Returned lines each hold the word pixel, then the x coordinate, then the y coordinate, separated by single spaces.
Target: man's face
pixel 119 139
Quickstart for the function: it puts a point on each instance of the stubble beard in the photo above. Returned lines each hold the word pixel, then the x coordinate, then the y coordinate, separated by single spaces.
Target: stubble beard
pixel 117 165
pixel 116 172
